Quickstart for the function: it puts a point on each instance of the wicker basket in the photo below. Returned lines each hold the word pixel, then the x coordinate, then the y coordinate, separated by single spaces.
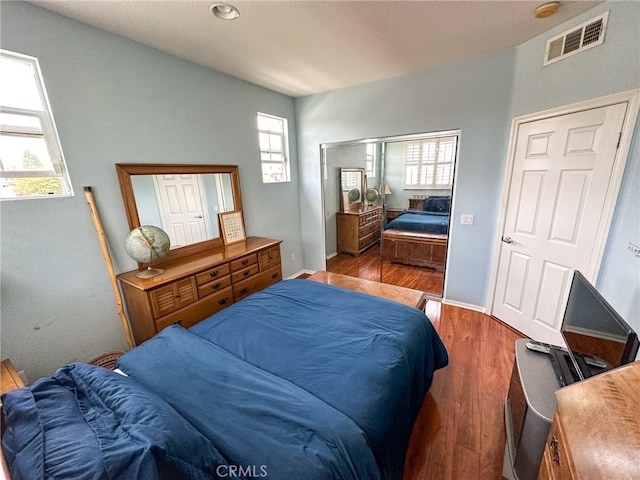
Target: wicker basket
pixel 107 360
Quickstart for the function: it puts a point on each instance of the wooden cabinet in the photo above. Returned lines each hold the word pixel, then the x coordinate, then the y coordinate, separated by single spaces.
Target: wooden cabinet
pixel 195 287
pixel 415 248
pixel 417 202
pixel 596 429
pixel 393 213
pixel 358 229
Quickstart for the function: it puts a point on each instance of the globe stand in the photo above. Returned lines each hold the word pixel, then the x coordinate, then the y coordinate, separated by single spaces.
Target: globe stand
pixel 149 272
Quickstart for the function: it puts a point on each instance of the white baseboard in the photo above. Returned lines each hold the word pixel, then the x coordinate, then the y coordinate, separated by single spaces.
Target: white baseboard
pixel 468 306
pixel 297 274
pixel 331 255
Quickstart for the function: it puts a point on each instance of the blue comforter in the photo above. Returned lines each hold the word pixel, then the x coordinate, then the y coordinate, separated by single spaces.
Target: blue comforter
pixel 257 420
pixel 419 221
pixel 87 422
pixel 301 380
pixel 368 357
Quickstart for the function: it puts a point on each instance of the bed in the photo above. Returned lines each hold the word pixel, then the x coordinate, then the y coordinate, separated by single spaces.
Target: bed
pixel 301 380
pixel 419 237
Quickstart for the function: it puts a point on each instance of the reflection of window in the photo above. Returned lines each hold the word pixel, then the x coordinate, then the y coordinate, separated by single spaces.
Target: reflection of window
pixel 274 148
pixel 429 163
pixel 371 160
pixel 31 161
pixel 351 180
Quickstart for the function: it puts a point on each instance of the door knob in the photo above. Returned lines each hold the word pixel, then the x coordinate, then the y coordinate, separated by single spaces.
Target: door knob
pixel 507 239
pixel 198 216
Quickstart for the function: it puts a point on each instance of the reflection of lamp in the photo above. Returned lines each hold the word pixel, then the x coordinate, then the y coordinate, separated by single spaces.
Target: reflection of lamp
pixel 387 190
pixel 145 244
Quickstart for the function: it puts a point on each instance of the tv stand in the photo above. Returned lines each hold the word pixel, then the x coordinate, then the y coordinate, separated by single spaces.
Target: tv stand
pixel 529 409
pixel 563 366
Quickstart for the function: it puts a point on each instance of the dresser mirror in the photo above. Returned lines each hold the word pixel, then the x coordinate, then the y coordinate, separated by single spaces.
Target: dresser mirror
pixel 352 187
pixel 182 199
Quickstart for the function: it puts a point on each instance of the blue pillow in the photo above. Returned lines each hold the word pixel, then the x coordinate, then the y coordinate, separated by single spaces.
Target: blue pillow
pixel 439 204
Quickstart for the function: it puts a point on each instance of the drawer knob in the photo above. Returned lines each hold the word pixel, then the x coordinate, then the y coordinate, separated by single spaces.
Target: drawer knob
pixel 244 290
pixel 222 301
pixel 214 274
pixel 555 450
pixel 274 274
pixel 215 286
pixel 245 261
pixel 245 273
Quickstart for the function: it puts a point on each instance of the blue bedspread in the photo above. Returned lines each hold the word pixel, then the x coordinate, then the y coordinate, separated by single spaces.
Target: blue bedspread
pixel 368 357
pixel 87 422
pixel 257 420
pixel 419 221
pixel 300 381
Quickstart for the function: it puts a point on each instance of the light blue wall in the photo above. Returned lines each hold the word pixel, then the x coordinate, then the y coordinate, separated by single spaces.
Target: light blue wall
pixel 115 100
pixel 609 68
pixel 471 95
pixel 146 200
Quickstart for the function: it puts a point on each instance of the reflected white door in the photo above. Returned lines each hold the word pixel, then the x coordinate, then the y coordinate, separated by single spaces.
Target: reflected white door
pixel 561 173
pixel 181 208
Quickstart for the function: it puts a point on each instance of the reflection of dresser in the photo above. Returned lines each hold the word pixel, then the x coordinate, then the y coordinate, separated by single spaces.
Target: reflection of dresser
pixel 194 288
pixel 358 229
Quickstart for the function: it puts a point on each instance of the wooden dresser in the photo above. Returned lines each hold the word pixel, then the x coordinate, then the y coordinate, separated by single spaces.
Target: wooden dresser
pixel 194 288
pixel 359 229
pixel 596 429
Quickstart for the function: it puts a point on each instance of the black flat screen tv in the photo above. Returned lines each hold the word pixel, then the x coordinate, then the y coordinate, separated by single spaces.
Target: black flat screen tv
pixel 597 337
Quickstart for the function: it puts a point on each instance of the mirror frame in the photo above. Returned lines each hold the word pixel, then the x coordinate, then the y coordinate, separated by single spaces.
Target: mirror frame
pixel 363 186
pixel 126 170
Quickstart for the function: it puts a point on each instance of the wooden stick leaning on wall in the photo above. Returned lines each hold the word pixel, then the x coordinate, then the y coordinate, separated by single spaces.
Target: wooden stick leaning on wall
pixel 107 260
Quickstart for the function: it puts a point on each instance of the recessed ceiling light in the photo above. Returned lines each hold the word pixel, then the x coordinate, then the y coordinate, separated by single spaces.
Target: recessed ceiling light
pixel 547 9
pixel 224 11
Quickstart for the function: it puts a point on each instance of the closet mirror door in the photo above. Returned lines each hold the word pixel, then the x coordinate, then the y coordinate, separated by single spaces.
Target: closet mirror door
pixel 352 226
pixel 417 191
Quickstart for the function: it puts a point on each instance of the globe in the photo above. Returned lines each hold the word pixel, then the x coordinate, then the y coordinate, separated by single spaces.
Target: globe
pixel 146 244
pixel 372 195
pixel 353 195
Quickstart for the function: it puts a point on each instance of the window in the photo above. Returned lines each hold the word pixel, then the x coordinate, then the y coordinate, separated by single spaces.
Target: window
pixel 429 163
pixel 274 148
pixel 31 161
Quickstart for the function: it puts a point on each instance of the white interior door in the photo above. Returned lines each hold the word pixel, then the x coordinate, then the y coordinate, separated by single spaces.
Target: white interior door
pixel 181 208
pixel 561 173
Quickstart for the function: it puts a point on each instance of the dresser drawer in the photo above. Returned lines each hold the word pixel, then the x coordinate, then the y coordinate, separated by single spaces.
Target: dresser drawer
pixel 192 314
pixel 245 273
pixel 212 274
pixel 215 286
pixel 257 283
pixel 269 257
pixel 559 468
pixel 244 262
pixel 174 296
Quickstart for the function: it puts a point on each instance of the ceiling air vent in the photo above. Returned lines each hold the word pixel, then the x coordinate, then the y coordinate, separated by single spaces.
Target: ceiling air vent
pixel 588 35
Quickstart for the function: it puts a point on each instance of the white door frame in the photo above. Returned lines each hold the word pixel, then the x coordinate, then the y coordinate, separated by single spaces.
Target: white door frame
pixel 632 97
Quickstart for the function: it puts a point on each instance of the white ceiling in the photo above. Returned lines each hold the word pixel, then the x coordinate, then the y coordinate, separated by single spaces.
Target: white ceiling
pixel 304 47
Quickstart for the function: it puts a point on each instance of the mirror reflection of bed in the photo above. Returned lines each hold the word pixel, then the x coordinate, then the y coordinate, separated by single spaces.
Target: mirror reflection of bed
pixel 413 176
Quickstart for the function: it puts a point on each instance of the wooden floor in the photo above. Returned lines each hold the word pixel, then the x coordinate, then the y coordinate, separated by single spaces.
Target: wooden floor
pixel 459 434
pixel 368 266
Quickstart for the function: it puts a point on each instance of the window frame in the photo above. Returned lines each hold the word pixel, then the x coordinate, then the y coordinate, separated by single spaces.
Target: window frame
pixel 284 152
pixel 48 133
pixel 422 163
